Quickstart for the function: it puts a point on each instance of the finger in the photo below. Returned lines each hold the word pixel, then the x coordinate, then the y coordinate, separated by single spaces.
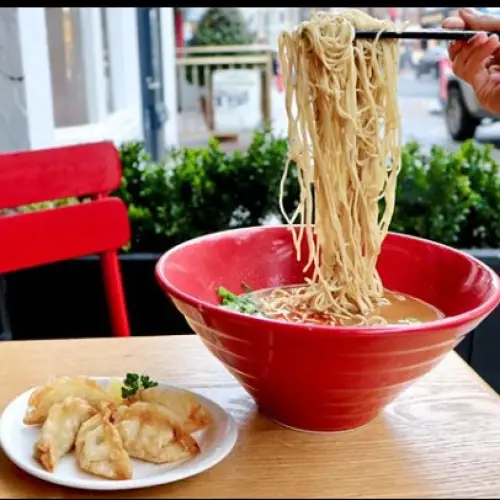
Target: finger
pixel 496 55
pixel 480 54
pixel 452 23
pixel 472 46
pixel 471 66
pixel 494 72
pixel 493 59
pixel 454 48
pixel 480 22
pixel 468 48
pixel 490 61
pixel 473 54
pixel 495 78
pixel 494 68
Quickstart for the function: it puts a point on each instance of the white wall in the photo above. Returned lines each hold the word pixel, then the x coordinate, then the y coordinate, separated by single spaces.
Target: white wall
pixel 271 21
pixel 25 90
pixel 26 97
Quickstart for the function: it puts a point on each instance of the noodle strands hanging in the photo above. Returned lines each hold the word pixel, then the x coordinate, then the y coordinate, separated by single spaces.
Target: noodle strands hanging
pixel 344 138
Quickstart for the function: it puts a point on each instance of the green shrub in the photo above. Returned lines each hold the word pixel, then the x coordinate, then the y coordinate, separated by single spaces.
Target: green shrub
pixel 143 189
pixel 433 196
pixel 194 191
pixel 453 198
pixel 218 26
pixel 201 192
pixel 222 26
pixel 260 170
pixel 482 227
pixel 449 197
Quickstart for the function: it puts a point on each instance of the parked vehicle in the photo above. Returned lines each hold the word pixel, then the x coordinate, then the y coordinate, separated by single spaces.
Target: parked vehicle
pixel 429 62
pixel 463 112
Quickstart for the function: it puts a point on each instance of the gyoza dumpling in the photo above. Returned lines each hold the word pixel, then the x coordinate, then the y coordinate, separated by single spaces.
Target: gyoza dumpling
pixel 99 448
pixel 57 390
pixel 59 430
pixel 152 433
pixel 183 403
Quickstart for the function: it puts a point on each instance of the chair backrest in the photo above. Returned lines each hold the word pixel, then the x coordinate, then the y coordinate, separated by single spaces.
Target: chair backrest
pixel 54 234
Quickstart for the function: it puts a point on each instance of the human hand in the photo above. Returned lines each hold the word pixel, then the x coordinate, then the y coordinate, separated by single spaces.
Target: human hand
pixel 477 61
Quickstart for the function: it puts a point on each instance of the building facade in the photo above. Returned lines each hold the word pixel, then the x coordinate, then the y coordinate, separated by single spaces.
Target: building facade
pixel 75 74
pixel 269 22
pixel 432 17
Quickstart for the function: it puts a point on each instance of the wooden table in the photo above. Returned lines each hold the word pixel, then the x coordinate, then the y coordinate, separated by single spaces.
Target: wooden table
pixel 440 439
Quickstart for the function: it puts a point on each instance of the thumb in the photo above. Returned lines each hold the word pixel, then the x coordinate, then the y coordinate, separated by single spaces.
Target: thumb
pixel 479 22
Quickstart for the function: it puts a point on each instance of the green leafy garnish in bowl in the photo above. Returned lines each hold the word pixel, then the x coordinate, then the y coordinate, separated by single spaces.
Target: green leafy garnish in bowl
pixel 241 304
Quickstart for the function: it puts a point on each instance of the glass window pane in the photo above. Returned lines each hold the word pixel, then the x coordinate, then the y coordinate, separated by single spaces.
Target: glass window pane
pixel 67 66
pixel 110 102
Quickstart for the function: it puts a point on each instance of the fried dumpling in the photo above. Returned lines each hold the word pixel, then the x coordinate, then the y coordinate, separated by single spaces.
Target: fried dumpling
pixel 99 448
pixel 57 390
pixel 59 430
pixel 183 403
pixel 152 433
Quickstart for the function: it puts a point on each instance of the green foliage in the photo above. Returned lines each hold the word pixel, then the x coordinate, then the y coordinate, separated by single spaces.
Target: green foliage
pixel 194 191
pixel 222 26
pixel 482 227
pixel 450 197
pixel 218 26
pixel 201 192
pixel 143 190
pixel 453 198
pixel 433 196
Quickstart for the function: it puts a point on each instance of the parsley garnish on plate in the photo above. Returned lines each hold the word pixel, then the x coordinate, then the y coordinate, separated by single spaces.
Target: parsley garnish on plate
pixel 133 382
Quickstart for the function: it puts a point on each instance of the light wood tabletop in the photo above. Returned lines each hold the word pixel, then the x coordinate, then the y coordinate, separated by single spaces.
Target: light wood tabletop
pixel 439 439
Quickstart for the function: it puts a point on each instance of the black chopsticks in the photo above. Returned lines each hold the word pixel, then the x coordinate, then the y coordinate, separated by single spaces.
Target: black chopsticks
pixel 436 34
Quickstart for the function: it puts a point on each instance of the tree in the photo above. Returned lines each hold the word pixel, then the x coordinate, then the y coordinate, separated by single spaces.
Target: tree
pixel 219 26
pixel 222 26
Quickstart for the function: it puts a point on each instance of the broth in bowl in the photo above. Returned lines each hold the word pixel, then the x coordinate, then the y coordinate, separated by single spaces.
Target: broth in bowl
pixel 287 304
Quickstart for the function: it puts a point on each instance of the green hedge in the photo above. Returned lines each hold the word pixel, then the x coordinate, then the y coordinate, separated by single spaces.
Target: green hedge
pixel 201 190
pixel 450 197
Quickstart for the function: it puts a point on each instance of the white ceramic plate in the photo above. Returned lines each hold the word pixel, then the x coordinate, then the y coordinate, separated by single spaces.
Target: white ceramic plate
pixel 17 440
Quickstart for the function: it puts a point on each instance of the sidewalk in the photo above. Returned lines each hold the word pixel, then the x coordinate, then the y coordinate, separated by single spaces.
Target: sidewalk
pixel 195 121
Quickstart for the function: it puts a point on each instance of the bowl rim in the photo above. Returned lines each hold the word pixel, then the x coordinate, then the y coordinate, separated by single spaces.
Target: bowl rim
pixel 432 326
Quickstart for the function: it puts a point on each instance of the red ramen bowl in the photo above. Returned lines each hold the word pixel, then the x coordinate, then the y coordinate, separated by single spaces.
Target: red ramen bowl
pixel 314 377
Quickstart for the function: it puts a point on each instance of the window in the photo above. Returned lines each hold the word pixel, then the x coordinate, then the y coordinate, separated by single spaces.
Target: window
pixel 85 70
pixel 267 19
pixel 106 56
pixel 67 66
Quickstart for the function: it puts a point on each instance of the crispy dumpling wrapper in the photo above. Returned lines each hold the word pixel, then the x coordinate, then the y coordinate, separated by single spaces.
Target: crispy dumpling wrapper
pixel 59 430
pixel 183 403
pixel 153 433
pixel 99 448
pixel 57 390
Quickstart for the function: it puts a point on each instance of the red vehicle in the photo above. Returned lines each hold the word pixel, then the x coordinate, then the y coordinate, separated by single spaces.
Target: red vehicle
pixel 444 71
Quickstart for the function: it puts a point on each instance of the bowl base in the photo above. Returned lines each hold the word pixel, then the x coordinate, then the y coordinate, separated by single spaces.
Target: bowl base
pixel 311 431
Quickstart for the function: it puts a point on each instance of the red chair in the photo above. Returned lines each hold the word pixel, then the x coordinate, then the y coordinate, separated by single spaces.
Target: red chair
pixel 99 226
